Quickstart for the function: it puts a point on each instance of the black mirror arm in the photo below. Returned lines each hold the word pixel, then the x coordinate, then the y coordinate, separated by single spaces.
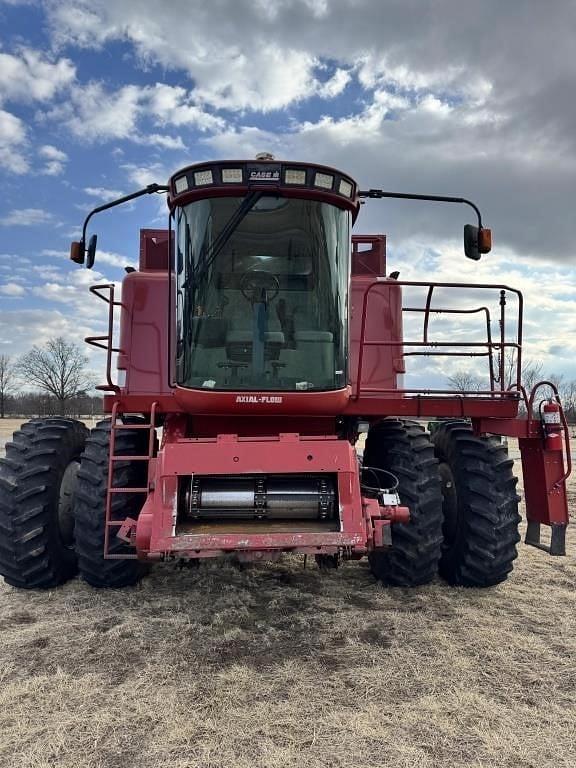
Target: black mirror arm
pixel 150 189
pixel 379 193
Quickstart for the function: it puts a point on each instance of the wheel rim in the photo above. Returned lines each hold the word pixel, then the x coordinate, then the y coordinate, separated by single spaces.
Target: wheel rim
pixel 451 521
pixel 66 504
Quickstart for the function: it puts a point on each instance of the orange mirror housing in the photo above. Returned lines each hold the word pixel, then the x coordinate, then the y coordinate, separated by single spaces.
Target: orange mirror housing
pixel 485 240
pixel 77 252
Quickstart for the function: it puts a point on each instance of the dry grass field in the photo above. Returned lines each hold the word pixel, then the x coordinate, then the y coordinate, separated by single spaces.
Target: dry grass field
pixel 279 666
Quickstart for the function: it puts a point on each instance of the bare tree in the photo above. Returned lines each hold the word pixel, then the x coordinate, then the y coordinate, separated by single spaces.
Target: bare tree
pixel 464 381
pixel 568 397
pixel 58 368
pixel 7 381
pixel 531 371
pixel 531 374
pixel 510 368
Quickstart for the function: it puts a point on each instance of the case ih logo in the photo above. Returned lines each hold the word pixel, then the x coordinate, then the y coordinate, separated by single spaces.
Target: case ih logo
pixel 258 399
pixel 264 174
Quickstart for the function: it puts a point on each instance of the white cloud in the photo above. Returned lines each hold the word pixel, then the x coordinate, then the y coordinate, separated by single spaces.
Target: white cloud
pixel 158 140
pixel 247 141
pixel 102 193
pixel 55 253
pixel 335 85
pixel 115 259
pixel 12 143
pixel 55 160
pixel 47 272
pixel 174 105
pixel 30 76
pixel 21 328
pixel 94 114
pixel 102 257
pixel 214 54
pixel 147 174
pixel 26 217
pixel 12 289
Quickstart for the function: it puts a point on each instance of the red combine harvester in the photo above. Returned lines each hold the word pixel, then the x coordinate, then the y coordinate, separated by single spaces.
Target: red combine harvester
pixel 258 341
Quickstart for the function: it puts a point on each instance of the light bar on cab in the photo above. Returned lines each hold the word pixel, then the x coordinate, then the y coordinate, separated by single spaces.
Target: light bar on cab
pixel 232 176
pixel 262 174
pixel 181 184
pixel 323 180
pixel 345 188
pixel 201 178
pixel 295 176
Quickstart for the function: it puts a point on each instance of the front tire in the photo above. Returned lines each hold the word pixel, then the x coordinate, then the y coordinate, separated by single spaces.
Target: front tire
pixel 90 508
pixel 37 487
pixel 480 507
pixel 404 449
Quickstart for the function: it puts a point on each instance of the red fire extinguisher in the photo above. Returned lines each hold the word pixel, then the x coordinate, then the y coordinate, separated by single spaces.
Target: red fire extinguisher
pixel 552 425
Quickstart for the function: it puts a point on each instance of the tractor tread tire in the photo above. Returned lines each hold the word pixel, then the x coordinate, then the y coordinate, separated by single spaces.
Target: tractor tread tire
pixel 90 510
pixel 404 449
pixel 483 549
pixel 32 554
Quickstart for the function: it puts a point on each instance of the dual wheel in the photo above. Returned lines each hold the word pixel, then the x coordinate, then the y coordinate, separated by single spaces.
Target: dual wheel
pixel 463 505
pixel 53 485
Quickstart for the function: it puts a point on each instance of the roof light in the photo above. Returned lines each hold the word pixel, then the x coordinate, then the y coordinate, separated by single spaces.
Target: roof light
pixel 203 177
pixel 232 175
pixel 294 176
pixel 345 188
pixel 181 184
pixel 323 180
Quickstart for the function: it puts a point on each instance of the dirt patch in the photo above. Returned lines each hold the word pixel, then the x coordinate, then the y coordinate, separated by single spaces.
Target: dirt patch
pixel 15 619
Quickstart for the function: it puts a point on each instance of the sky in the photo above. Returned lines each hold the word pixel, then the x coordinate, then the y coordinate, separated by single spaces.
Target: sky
pixel 100 98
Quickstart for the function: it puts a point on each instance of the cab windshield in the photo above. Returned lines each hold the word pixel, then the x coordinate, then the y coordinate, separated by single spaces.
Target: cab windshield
pixel 262 289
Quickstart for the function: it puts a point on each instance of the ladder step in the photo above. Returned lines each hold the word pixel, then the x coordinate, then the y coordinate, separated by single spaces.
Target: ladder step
pixel 130 458
pixel 132 426
pixel 128 490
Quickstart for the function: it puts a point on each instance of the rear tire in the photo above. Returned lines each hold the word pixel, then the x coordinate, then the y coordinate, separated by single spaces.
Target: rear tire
pixel 37 485
pixel 480 507
pixel 90 509
pixel 404 449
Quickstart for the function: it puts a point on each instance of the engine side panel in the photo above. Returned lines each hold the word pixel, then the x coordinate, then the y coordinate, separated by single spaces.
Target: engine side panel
pixel 144 333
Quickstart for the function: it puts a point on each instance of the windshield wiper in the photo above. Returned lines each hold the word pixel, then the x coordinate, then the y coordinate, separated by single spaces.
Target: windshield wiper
pixel 226 233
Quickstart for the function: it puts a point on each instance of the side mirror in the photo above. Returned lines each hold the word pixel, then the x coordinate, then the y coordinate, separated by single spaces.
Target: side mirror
pixel 77 249
pixel 476 241
pixel 91 252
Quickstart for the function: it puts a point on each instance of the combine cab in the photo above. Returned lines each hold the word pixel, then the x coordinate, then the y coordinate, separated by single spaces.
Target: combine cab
pixel 258 341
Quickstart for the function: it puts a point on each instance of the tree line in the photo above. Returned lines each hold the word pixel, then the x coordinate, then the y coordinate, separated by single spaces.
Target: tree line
pixel 54 380
pixel 465 381
pixel 49 380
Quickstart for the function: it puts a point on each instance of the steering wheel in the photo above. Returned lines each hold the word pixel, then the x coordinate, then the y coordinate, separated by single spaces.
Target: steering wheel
pixel 259 285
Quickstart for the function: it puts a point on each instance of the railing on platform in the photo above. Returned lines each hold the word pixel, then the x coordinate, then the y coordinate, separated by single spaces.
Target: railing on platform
pixel 498 386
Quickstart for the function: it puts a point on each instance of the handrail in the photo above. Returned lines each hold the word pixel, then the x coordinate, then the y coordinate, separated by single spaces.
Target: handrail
pixel 451 311
pixel 491 345
pixel 96 341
